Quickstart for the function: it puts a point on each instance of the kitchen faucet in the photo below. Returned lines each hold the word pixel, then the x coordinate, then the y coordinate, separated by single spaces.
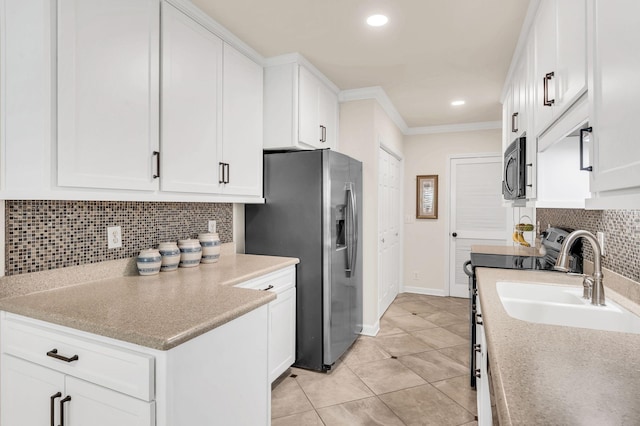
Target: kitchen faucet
pixel 593 283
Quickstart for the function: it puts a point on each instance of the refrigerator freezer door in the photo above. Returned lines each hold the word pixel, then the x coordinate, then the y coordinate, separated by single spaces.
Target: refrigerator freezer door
pixel 339 292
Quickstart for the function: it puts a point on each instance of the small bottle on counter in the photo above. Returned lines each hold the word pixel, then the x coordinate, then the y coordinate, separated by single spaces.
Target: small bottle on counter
pixel 190 253
pixel 210 243
pixel 149 262
pixel 170 256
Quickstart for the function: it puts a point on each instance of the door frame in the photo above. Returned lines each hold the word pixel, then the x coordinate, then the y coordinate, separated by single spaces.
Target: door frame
pixel 398 156
pixel 448 230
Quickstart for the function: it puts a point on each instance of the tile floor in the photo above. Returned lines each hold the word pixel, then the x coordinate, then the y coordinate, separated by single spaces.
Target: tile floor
pixel 414 372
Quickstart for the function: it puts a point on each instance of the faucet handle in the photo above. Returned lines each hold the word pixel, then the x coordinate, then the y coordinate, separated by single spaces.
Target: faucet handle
pixel 587 284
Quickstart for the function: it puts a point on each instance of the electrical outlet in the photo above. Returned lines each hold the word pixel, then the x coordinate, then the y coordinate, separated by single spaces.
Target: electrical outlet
pixel 211 226
pixel 416 276
pixel 601 240
pixel 114 237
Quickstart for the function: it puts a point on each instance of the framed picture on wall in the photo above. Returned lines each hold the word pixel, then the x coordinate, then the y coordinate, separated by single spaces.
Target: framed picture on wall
pixel 427 197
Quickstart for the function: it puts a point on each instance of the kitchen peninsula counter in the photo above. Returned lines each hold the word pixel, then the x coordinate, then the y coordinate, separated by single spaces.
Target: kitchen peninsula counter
pixel 159 311
pixel 547 374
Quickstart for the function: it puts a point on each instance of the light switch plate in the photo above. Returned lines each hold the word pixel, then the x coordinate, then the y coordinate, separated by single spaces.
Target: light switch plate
pixel 114 237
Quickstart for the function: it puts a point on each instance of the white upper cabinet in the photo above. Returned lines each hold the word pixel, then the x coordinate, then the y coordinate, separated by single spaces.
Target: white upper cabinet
pixel 301 110
pixel 107 93
pixel 614 90
pixel 191 105
pixel 242 129
pixel 560 65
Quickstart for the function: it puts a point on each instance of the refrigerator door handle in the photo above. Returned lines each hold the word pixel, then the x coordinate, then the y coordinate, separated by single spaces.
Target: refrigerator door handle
pixel 352 229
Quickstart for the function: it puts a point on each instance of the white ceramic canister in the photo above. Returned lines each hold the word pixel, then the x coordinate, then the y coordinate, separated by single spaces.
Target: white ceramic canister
pixel 149 262
pixel 210 247
pixel 170 256
pixel 190 253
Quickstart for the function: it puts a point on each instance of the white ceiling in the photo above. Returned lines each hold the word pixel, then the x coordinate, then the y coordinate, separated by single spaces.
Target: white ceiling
pixel 429 54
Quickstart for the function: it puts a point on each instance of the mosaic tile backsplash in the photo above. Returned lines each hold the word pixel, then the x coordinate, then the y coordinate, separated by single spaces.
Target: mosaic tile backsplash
pixel 43 235
pixel 622 234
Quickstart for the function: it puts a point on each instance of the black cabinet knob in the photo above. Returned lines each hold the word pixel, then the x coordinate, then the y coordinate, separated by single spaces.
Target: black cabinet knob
pixel 455 234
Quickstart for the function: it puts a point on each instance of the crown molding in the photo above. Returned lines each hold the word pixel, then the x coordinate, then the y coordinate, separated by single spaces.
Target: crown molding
pixel 377 93
pixel 191 10
pixel 297 58
pixel 454 128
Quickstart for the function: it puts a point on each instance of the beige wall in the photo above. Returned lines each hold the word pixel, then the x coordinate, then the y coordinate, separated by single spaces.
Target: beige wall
pixel 426 240
pixel 363 126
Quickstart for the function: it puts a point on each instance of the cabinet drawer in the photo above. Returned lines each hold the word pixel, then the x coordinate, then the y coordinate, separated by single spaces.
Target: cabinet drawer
pixel 120 369
pixel 278 281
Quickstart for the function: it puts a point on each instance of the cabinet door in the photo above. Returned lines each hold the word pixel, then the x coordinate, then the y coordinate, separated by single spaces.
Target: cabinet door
pixel 328 117
pixel 309 131
pixel 544 31
pixel 107 93
pixel 571 67
pixel 615 91
pixel 28 391
pixel 191 104
pixel 94 405
pixel 242 123
pixel 282 333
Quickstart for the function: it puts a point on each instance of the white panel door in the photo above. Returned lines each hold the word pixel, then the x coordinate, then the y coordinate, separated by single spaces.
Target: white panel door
pixel 388 229
pixel 242 123
pixel 476 214
pixel 191 105
pixel 282 333
pixel 571 67
pixel 108 93
pixel 544 31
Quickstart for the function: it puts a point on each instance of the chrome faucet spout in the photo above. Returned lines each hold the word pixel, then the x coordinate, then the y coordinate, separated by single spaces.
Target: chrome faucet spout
pixel 562 263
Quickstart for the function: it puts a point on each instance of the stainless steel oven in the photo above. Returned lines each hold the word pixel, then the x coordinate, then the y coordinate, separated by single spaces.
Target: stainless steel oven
pixel 514 183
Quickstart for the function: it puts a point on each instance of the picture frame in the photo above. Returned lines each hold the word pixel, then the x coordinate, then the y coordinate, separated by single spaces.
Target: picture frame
pixel 427 197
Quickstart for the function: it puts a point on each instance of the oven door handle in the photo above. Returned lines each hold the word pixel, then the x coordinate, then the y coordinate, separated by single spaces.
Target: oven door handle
pixel 468 268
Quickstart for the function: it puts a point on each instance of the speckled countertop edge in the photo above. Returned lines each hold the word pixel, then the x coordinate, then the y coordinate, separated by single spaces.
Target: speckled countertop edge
pixel 160 311
pixel 546 374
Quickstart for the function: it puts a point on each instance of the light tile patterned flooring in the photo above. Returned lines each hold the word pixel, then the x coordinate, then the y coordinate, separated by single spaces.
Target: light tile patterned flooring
pixel 414 372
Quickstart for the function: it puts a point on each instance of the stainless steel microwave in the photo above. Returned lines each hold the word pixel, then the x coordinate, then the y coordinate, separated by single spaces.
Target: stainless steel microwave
pixel 514 183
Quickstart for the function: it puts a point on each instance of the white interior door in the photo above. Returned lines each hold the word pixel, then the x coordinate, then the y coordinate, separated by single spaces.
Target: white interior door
pixel 476 213
pixel 388 229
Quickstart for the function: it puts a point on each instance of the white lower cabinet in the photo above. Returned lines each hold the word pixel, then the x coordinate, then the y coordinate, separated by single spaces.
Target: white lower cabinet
pixel 483 392
pixel 282 318
pixel 36 395
pixel 219 377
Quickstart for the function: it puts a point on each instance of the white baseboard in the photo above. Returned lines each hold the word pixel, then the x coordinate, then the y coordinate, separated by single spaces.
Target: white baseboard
pixel 370 330
pixel 422 290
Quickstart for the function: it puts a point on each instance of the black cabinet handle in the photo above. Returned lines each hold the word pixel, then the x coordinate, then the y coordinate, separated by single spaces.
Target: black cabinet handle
pixel 583 132
pixel 545 82
pixel 324 133
pixel 228 167
pixel 477 375
pixel 62 401
pixel 514 119
pixel 220 172
pixel 157 155
pixel 477 347
pixel 455 234
pixel 52 408
pixel 479 319
pixel 53 353
pixel 530 185
pixel 268 288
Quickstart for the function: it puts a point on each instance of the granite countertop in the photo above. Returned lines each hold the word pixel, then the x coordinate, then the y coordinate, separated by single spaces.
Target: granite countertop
pixel 159 311
pixel 546 374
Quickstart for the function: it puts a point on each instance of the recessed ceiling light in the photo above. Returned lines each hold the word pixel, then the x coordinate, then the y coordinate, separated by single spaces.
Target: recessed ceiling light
pixel 457 103
pixel 377 20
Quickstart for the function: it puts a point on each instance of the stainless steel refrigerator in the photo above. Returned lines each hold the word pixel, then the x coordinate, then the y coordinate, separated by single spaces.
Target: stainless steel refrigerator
pixel 313 212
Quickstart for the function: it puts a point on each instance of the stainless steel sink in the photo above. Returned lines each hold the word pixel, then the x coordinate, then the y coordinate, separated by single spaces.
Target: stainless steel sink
pixel 562 305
